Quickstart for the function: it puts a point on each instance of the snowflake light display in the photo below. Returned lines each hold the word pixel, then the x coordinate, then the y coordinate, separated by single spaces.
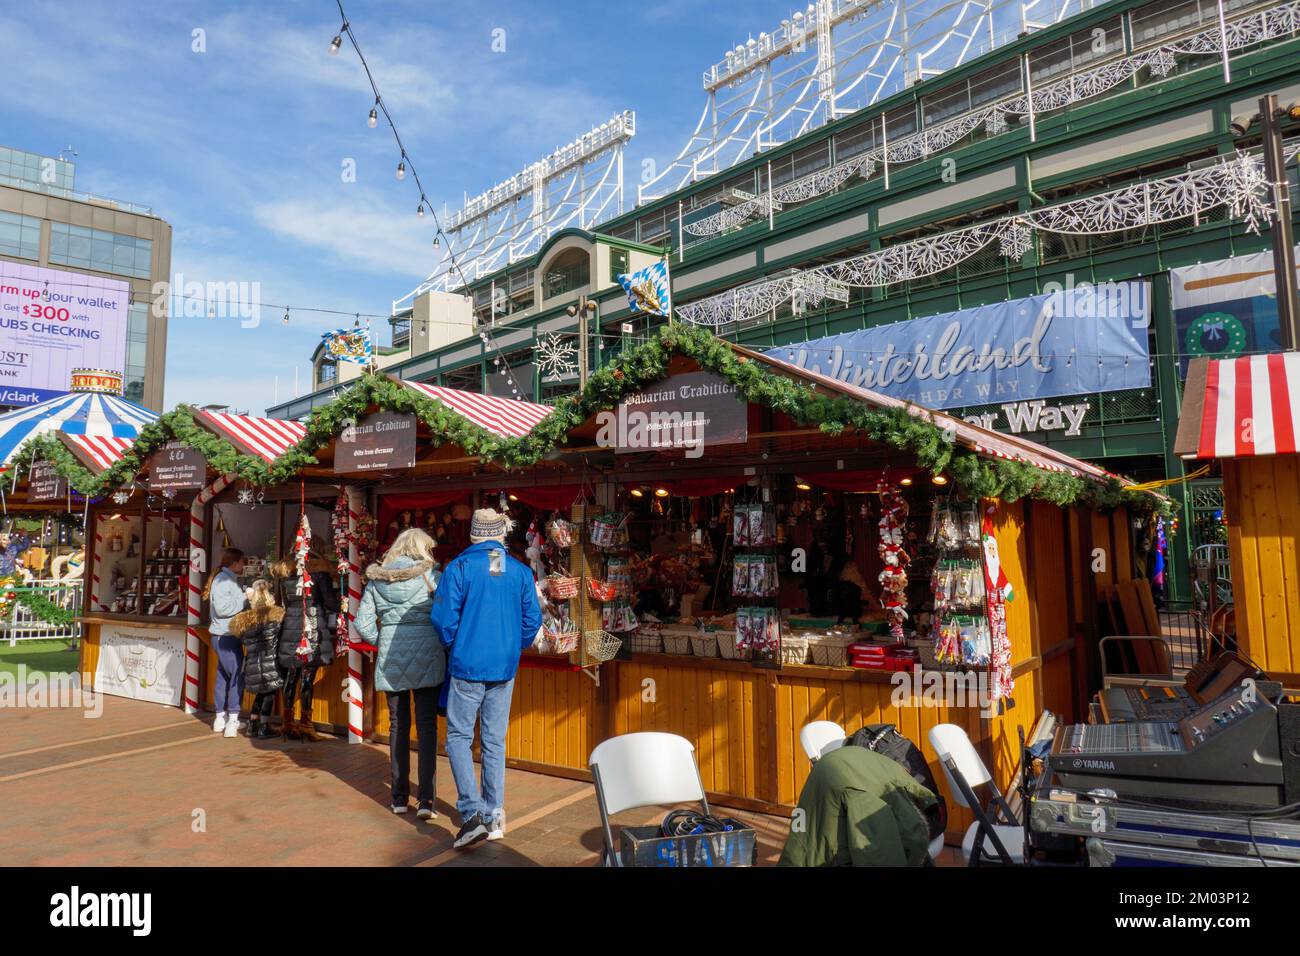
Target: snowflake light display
pixel 556 357
pixel 121 497
pixel 1015 241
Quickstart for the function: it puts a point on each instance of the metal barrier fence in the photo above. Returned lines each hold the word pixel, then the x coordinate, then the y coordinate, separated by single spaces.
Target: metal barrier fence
pixel 24 623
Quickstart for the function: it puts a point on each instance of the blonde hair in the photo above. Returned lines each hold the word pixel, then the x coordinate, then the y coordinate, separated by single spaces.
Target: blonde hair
pixel 229 556
pixel 412 543
pixel 263 594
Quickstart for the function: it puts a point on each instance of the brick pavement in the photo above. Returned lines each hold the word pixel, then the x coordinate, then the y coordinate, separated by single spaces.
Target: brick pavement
pixel 144 784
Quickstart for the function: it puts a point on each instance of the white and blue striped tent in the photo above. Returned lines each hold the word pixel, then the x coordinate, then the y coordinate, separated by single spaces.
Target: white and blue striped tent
pixel 86 414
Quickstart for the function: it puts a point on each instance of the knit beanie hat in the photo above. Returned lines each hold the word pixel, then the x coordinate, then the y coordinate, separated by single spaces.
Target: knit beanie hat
pixel 488 525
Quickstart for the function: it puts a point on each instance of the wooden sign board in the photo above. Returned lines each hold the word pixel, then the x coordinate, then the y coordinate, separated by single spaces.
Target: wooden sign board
pixel 46 484
pixel 384 441
pixel 177 467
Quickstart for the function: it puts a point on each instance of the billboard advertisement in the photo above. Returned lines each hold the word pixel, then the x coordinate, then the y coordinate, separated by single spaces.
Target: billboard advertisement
pixel 52 322
pixel 1225 308
pixel 1074 341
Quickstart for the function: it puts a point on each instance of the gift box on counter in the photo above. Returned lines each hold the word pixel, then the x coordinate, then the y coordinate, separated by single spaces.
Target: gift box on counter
pixel 871 656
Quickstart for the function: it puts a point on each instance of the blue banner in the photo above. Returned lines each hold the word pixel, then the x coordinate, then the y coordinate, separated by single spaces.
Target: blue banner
pixel 1072 341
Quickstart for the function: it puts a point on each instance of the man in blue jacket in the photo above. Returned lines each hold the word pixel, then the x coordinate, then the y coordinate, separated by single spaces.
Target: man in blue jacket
pixel 485 612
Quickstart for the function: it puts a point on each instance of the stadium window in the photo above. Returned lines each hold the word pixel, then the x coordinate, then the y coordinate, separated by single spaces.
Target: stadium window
pixel 617 263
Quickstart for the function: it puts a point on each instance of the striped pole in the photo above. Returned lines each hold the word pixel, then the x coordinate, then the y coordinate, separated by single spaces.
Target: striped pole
pixel 356 714
pixel 194 600
pixel 95 562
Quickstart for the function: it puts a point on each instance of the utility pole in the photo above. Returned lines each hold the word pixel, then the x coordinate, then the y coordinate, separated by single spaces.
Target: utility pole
pixel 583 311
pixel 1288 304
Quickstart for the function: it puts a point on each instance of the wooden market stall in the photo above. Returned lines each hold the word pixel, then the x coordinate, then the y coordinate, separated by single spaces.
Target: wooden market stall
pixel 1244 413
pixel 789 437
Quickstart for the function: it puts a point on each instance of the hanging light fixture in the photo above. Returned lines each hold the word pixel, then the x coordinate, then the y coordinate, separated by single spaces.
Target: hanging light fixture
pixel 661 492
pixel 401 169
pixel 939 479
pixel 637 493
pixel 801 484
pixel 336 43
pixel 419 210
pixel 905 482
pixel 373 119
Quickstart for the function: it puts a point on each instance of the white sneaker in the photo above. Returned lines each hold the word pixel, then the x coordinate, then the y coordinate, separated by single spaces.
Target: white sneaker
pixel 219 724
pixel 232 726
pixel 498 834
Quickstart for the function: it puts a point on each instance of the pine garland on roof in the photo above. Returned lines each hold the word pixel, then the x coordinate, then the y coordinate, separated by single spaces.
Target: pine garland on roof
pixel 934 449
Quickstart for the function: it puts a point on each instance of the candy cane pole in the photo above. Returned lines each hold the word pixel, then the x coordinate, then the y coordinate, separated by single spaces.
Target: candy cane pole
pixel 356 714
pixel 95 561
pixel 195 597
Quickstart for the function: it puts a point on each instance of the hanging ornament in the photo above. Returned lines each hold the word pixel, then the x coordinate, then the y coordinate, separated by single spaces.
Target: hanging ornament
pixel 995 123
pixel 121 497
pixel 1162 63
pixel 307 644
pixel 893 578
pixel 997 590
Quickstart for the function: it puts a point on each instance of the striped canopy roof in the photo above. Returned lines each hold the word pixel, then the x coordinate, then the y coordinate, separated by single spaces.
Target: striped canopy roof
pixel 89 414
pixel 266 438
pixel 505 417
pixel 1241 407
pixel 97 452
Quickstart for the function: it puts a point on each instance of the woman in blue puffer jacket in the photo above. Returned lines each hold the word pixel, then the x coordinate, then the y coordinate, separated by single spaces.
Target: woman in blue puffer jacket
pixel 411 663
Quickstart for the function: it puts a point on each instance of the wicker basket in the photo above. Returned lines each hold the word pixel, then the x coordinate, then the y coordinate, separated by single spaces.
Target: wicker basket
pixel 645 640
pixel 830 650
pixel 727 649
pixel 704 645
pixel 562 588
pixel 600 645
pixel 794 650
pixel 677 641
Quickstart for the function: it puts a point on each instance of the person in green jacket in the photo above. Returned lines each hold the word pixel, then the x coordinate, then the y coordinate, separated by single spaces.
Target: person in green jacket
pixel 859 808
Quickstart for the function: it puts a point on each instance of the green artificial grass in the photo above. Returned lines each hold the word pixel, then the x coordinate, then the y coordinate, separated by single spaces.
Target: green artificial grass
pixel 38 657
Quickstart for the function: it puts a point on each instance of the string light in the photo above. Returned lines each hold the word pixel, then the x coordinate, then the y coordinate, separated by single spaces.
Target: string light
pixel 403 161
pixel 373 119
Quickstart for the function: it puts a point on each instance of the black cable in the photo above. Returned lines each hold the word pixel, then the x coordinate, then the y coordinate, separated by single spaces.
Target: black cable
pixel 687 822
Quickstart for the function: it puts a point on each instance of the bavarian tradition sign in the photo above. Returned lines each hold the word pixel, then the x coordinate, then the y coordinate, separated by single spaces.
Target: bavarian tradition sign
pixel 176 467
pixel 379 442
pixel 1077 340
pixel 683 411
pixel 45 484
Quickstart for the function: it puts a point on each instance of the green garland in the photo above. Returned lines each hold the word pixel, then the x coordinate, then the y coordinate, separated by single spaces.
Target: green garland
pixel 975 474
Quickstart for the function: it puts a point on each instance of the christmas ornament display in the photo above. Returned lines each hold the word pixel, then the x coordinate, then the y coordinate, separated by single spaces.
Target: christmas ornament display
pixel 893 578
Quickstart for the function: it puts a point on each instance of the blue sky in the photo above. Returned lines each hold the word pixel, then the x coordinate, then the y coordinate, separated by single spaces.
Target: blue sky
pixel 240 147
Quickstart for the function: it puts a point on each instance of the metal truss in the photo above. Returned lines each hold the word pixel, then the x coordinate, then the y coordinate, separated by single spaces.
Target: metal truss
pixel 577 185
pixel 830 59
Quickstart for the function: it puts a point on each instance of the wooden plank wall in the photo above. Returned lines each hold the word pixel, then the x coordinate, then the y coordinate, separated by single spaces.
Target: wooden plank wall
pixel 1262 501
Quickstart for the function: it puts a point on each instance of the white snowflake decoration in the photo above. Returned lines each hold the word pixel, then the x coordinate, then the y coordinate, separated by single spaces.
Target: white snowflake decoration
pixel 121 497
pixel 995 123
pixel 1015 241
pixel 169 493
pixel 246 496
pixel 1162 63
pixel 556 357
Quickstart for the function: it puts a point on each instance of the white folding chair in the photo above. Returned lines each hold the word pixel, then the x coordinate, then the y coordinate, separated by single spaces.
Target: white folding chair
pixel 821 737
pixel 642 770
pixel 965 772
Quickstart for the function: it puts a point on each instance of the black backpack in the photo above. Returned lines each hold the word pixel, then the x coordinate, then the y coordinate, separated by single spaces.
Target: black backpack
pixel 885 740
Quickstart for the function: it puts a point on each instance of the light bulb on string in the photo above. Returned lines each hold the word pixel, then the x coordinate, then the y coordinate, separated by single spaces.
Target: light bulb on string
pixel 419 210
pixel 373 119
pixel 336 44
pixel 401 170
pixel 286 316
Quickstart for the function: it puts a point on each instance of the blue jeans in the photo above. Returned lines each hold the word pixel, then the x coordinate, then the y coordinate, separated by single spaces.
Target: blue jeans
pixel 466 701
pixel 229 692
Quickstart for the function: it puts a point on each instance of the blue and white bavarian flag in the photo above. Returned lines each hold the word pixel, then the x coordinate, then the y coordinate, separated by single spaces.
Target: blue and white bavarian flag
pixel 348 345
pixel 648 290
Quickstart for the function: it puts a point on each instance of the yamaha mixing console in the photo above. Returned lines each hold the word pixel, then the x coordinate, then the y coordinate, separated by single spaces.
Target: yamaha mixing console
pixel 1227 752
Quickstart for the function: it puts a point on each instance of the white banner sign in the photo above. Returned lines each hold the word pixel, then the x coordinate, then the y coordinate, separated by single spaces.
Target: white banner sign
pixel 144 663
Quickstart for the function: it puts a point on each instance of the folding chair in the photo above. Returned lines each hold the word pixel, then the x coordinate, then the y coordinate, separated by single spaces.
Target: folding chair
pixel 821 737
pixel 965 771
pixel 642 770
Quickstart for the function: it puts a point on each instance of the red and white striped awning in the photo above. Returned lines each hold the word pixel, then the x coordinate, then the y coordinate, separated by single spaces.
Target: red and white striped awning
pixel 97 452
pixel 267 438
pixel 1241 407
pixel 506 417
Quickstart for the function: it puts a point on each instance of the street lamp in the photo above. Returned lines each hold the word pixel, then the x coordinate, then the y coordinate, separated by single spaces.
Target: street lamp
pixel 583 311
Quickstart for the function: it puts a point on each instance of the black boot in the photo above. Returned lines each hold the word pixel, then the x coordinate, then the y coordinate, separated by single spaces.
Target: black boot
pixel 253 728
pixel 264 730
